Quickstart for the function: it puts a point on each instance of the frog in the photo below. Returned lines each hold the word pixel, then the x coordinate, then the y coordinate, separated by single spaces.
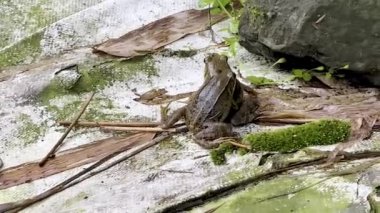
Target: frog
pixel 220 103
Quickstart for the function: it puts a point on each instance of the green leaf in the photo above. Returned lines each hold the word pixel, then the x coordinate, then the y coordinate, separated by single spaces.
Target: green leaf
pixel 328 75
pixel 204 3
pixel 298 73
pixel 260 81
pixel 320 68
pixel 345 67
pixel 223 2
pixel 215 11
pixel 307 76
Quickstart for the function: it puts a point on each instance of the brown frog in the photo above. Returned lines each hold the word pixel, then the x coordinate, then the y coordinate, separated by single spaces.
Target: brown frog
pixel 221 101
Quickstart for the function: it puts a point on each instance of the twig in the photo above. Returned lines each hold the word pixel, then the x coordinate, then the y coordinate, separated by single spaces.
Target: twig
pixel 18 206
pixel 210 24
pixel 109 123
pixel 240 145
pixel 140 129
pixel 177 171
pixel 59 142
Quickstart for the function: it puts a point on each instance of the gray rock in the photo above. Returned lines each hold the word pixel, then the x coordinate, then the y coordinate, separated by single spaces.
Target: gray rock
pixel 67 77
pixel 332 32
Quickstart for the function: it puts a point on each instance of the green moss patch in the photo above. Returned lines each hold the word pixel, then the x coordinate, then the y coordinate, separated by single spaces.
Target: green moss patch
pixel 218 156
pixel 29 132
pixel 100 75
pixel 323 132
pixel 25 51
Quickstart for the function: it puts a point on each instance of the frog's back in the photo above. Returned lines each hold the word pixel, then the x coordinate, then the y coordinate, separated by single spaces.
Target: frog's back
pixel 213 101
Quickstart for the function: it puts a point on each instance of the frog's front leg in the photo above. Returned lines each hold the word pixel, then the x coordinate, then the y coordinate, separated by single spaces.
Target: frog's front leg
pixel 173 118
pixel 211 131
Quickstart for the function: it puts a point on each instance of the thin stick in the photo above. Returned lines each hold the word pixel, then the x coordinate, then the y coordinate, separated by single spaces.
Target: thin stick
pixel 73 180
pixel 240 145
pixel 140 129
pixel 59 142
pixel 109 123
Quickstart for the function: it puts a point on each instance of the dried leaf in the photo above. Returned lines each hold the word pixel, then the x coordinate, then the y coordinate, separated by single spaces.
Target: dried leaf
pixel 69 159
pixel 159 33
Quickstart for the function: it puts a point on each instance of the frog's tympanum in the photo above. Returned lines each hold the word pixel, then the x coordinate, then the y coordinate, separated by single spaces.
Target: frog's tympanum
pixel 221 101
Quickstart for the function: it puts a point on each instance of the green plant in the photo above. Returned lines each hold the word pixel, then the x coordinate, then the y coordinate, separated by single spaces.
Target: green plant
pixel 225 6
pixel 260 81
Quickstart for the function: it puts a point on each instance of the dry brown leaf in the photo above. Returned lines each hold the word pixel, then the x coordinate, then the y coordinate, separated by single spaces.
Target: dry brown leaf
pixel 159 33
pixel 69 159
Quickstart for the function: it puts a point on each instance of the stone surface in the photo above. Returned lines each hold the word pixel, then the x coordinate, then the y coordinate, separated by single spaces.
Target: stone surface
pixel 172 172
pixel 333 32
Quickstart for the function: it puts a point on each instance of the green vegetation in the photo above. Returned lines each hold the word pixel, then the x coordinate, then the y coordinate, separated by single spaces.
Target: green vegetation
pixel 307 75
pixel 27 49
pixel 323 132
pixel 29 132
pixel 276 195
pixel 260 81
pixel 218 155
pixel 98 76
pixel 93 77
pixel 226 6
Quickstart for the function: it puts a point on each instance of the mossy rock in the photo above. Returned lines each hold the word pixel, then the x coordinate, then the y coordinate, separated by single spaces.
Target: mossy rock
pixel 323 132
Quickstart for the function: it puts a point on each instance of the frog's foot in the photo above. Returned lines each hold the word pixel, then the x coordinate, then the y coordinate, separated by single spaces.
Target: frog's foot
pixel 206 144
pixel 211 131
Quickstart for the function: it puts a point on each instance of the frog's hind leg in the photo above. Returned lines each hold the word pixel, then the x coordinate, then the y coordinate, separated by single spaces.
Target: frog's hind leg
pixel 173 118
pixel 247 112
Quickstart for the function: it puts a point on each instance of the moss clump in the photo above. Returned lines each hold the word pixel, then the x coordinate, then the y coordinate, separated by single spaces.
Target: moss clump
pixel 29 132
pixel 218 155
pixel 323 132
pixel 242 151
pixel 23 52
pixel 100 75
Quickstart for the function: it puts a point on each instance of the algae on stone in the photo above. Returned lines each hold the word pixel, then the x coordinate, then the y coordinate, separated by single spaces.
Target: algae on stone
pixel 25 51
pixel 94 76
pixel 29 132
pixel 276 195
pixel 99 75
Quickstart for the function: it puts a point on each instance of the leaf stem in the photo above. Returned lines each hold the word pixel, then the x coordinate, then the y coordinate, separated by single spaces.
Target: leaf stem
pixel 224 9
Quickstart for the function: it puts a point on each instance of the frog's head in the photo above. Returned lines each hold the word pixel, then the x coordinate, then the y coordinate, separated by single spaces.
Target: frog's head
pixel 216 64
